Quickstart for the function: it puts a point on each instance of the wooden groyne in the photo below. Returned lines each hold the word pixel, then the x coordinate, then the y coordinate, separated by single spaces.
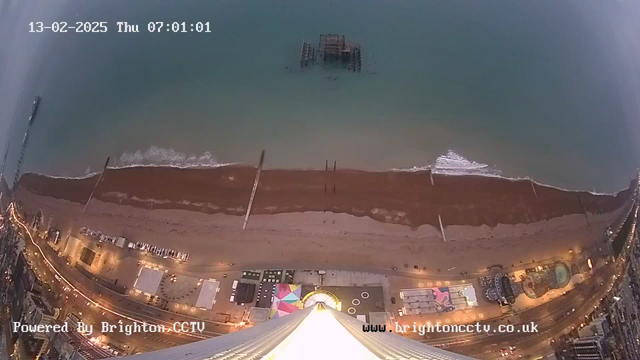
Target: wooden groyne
pixel 253 192
pixel 104 170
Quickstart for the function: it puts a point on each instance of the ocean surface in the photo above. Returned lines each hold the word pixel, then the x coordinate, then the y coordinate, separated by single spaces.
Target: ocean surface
pixel 548 89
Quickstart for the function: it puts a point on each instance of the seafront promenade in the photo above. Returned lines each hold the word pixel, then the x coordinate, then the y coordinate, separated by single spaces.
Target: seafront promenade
pixel 112 301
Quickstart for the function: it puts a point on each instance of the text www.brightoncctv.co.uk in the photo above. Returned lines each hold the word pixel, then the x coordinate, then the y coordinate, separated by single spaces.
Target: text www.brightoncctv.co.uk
pixel 446 328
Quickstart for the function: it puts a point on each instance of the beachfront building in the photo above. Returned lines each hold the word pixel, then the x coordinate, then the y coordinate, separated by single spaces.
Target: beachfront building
pixel 316 332
pixel 438 300
pixel 589 348
pixel 502 289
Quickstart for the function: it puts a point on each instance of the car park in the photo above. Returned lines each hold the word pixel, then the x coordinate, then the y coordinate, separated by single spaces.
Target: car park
pixel 160 251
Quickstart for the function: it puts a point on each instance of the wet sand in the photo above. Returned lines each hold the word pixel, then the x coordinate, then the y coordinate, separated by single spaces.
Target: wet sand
pixel 406 198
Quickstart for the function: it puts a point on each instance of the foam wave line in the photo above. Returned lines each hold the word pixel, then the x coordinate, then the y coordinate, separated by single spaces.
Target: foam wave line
pixel 455 164
pixel 156 156
pixel 451 163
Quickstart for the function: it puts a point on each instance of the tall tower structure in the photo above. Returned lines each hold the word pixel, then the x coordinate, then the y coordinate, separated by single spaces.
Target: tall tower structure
pixel 316 332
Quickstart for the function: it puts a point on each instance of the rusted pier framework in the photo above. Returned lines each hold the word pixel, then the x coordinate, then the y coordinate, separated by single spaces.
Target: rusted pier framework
pixel 332 48
pixel 307 54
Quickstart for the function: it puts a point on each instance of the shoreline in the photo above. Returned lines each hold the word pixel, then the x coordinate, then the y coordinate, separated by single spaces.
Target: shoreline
pixel 452 171
pixel 404 198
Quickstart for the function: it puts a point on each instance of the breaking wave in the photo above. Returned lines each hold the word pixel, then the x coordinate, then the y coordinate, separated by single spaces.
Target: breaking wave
pixel 65 177
pixel 155 156
pixel 455 164
pixel 451 163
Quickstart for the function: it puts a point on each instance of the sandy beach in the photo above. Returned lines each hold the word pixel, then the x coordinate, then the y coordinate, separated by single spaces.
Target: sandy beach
pixel 488 221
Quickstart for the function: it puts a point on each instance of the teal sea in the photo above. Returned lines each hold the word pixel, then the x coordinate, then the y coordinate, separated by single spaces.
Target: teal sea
pixel 547 89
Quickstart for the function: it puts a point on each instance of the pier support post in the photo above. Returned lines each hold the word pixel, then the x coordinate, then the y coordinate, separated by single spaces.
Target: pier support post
pixel 104 170
pixel 335 163
pixel 326 170
pixel 253 192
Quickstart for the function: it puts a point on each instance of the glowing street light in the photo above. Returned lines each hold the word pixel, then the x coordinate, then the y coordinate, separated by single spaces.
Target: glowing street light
pixel 68 283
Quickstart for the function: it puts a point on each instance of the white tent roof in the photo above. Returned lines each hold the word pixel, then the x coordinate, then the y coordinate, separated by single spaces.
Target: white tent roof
pixel 470 294
pixel 148 280
pixel 208 293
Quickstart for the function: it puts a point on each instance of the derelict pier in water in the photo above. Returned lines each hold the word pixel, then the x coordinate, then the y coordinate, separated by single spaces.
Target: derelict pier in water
pixel 332 49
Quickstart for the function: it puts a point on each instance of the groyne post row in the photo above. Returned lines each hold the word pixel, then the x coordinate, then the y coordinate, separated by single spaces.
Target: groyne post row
pixel 253 192
pixel 442 228
pixel 104 170
pixel 444 237
pixel 326 169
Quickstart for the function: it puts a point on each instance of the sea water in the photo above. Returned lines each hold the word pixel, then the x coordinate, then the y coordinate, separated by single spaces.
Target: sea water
pixel 546 90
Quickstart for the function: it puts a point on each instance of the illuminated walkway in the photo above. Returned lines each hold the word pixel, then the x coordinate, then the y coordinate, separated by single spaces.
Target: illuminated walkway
pixel 74 288
pixel 317 332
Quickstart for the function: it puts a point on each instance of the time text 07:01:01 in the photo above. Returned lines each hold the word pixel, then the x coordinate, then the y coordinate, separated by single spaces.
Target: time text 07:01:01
pixel 176 27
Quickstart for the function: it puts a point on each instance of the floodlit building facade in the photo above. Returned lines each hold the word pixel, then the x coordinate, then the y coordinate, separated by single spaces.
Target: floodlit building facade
pixel 589 348
pixel 316 332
